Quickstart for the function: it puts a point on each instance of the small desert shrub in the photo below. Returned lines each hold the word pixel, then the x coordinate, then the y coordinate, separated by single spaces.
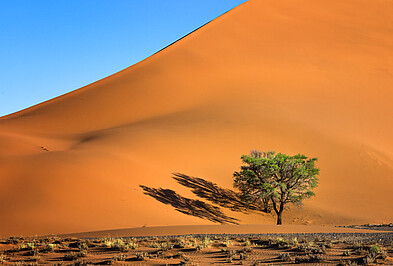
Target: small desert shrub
pixel 309 259
pixel 14 240
pixel 317 250
pixel 383 254
pixel 71 256
pixel 166 246
pixel 30 246
pixel 120 257
pixel 154 245
pixel 347 263
pixel 192 242
pixel 294 241
pixel 304 247
pixel 80 263
pixel 181 243
pixel 74 255
pixel 83 246
pixel 132 245
pixel 285 257
pixel 141 256
pixel 368 259
pixel 206 242
pixel 2 258
pixel 327 244
pixel 198 247
pixel 228 243
pixel 119 244
pixel 26 263
pixel 243 256
pixel 49 247
pixel 374 249
pixel 347 253
pixel 224 243
pixel 247 242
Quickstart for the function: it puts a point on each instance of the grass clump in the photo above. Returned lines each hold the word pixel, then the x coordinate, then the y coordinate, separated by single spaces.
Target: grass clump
pixel 49 247
pixel 206 242
pixel 119 244
pixel 141 256
pixel 154 245
pixel 285 257
pixel 74 255
pixel 120 257
pixel 247 242
pixel 309 259
pixel 2 258
pixel 166 246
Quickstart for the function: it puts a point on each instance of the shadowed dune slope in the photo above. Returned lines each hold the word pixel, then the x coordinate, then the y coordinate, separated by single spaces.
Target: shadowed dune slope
pixel 307 76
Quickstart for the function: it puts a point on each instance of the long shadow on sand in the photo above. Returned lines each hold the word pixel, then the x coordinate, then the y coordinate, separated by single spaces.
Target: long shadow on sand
pixel 189 206
pixel 210 191
pixel 204 189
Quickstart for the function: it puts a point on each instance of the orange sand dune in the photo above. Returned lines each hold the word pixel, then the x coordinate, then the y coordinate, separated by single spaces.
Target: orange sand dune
pixel 307 76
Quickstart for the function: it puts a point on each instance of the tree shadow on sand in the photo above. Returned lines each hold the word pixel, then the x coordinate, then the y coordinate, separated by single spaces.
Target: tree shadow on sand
pixel 189 206
pixel 207 190
pixel 221 196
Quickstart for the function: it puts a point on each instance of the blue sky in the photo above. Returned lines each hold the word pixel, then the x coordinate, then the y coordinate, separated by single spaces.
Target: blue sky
pixel 51 47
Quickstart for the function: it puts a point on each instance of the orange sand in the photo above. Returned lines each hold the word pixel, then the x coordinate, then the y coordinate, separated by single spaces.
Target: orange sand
pixel 307 76
pixel 217 229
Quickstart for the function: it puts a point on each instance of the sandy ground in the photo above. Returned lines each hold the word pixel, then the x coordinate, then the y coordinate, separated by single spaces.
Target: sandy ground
pixel 309 76
pixel 216 229
pixel 320 249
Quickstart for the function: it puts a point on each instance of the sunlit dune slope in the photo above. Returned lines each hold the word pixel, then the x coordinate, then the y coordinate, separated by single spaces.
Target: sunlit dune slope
pixel 308 76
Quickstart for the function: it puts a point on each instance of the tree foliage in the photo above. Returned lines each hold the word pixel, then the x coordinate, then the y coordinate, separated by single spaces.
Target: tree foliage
pixel 276 179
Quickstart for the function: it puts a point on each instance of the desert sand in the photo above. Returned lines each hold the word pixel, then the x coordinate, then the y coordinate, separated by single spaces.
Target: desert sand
pixel 301 249
pixel 219 230
pixel 309 76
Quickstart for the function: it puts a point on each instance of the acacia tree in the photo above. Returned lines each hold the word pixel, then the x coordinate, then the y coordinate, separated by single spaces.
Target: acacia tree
pixel 276 179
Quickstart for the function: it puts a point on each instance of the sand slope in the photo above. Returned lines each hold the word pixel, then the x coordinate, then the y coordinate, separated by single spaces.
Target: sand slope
pixel 307 76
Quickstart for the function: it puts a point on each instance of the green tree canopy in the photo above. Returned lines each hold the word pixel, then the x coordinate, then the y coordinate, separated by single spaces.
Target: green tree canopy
pixel 276 179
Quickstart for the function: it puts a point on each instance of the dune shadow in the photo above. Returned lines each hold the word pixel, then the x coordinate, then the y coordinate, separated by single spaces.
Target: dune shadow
pixel 189 206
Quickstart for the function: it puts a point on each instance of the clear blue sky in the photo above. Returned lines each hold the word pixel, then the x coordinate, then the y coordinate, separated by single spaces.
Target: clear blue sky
pixel 51 47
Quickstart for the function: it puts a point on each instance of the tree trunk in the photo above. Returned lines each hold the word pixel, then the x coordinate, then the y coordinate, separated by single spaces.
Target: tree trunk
pixel 279 218
pixel 279 213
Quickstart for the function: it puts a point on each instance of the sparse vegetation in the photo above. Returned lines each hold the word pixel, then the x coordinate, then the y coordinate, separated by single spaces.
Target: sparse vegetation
pixel 285 257
pixel 194 250
pixel 2 258
pixel 141 256
pixel 119 244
